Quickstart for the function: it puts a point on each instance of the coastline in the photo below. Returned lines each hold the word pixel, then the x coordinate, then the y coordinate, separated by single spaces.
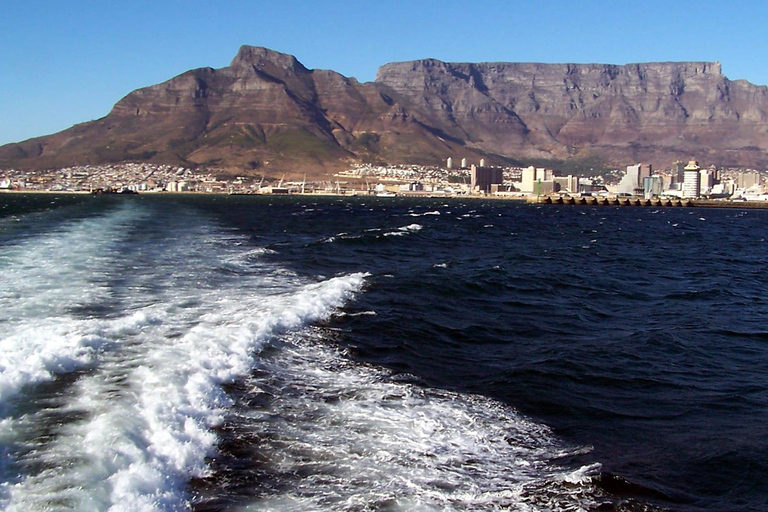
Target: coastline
pixel 540 200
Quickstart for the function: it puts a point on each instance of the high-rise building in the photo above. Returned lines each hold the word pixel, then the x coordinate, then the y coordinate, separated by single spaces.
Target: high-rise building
pixel 484 177
pixel 449 163
pixel 678 169
pixel 528 178
pixel 746 180
pixel 707 180
pixel 692 179
pixel 652 186
pixel 632 182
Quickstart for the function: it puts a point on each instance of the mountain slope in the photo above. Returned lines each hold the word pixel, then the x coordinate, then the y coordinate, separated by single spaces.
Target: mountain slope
pixel 264 112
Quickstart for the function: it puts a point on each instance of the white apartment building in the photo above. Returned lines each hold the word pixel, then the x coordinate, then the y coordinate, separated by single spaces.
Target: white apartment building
pixel 692 179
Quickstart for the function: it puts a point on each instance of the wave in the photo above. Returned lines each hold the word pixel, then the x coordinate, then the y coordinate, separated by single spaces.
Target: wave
pixel 314 431
pixel 404 230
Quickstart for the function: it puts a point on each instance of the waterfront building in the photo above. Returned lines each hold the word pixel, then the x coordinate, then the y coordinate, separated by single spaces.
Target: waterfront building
pixel 667 182
pixel 632 182
pixel 484 177
pixel 533 176
pixel 528 179
pixel 568 183
pixel 692 180
pixel 653 186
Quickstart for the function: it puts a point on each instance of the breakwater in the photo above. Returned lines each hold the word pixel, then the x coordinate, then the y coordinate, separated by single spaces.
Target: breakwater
pixel 639 201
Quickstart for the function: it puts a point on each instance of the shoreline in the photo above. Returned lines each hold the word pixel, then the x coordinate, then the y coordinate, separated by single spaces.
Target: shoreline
pixel 633 201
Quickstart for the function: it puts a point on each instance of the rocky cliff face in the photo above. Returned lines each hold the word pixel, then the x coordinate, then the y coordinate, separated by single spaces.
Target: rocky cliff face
pixel 633 112
pixel 266 112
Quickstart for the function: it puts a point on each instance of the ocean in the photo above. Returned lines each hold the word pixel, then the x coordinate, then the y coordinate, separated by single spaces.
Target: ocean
pixel 243 353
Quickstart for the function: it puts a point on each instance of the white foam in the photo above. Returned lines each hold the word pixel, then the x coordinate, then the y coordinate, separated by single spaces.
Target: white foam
pixel 362 440
pixel 424 214
pixel 44 278
pixel 146 437
pixel 35 354
pixel 411 228
pixel 45 274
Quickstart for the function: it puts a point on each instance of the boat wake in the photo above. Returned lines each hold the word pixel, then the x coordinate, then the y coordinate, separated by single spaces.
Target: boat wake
pixel 156 361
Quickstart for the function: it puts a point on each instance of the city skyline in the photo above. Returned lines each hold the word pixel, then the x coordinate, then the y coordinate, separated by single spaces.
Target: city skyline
pixel 65 64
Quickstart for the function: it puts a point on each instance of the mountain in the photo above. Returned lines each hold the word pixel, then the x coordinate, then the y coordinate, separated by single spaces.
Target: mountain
pixel 656 112
pixel 266 113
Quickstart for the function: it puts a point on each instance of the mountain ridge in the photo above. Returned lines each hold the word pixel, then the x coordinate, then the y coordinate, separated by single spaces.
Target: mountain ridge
pixel 267 113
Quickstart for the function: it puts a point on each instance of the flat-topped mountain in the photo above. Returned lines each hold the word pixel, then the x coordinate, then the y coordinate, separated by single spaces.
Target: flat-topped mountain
pixel 267 113
pixel 636 112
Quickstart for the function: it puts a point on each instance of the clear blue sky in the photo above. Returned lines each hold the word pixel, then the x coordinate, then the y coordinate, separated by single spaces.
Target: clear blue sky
pixel 63 63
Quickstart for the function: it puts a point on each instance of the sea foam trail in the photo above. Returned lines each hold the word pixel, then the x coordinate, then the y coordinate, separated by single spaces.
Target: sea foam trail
pixel 45 278
pixel 149 420
pixel 362 440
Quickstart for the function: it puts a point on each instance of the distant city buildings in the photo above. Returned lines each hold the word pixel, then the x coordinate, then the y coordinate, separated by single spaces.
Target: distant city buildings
pixel 128 177
pixel 639 180
pixel 747 180
pixel 678 169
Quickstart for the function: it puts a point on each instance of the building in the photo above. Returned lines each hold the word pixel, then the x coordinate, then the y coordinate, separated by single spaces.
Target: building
pixel 484 177
pixel 532 177
pixel 653 186
pixel 745 180
pixel 414 186
pixel 692 179
pixel 568 183
pixel 678 173
pixel 632 182
pixel 707 180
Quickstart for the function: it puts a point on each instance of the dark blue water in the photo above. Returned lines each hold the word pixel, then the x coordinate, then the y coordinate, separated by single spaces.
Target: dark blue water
pixel 637 334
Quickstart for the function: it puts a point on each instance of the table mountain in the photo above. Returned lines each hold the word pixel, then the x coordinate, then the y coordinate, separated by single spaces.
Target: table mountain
pixel 267 113
pixel 638 112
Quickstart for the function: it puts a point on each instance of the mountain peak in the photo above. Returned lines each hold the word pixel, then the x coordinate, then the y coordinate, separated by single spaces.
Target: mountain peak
pixel 258 55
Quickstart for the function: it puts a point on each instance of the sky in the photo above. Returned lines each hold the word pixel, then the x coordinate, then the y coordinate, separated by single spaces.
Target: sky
pixel 63 63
